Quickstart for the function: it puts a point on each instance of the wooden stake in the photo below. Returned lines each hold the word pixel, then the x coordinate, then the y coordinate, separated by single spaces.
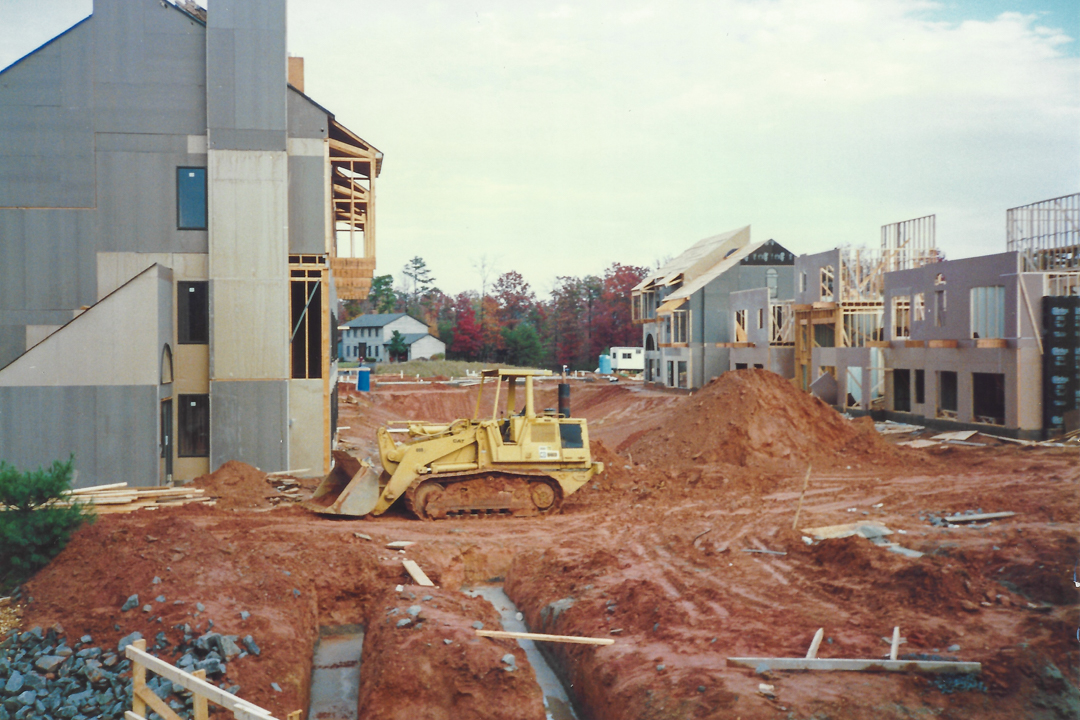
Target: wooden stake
pixel 549 638
pixel 200 709
pixel 417 573
pixel 895 643
pixel 806 482
pixel 815 643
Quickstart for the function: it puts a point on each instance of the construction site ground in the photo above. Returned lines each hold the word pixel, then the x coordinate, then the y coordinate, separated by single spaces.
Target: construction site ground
pixel 664 553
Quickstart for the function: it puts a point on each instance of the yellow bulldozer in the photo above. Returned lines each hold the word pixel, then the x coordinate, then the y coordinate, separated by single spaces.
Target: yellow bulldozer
pixel 519 462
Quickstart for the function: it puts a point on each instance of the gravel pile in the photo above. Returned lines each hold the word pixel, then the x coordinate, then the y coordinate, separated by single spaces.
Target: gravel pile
pixel 43 676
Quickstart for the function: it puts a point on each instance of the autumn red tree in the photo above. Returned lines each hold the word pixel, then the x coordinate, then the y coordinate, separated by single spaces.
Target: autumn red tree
pixel 467 342
pixel 516 300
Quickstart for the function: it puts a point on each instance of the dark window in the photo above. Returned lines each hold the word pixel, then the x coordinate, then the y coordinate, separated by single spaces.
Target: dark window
pixel 191 198
pixel 740 366
pixel 194 426
pixel 758 366
pixel 947 391
pixel 988 397
pixel 570 434
pixel 306 327
pixel 192 313
pixel 902 390
pixel 920 386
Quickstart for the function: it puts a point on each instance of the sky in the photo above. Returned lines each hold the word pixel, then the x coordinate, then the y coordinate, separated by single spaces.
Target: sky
pixel 556 139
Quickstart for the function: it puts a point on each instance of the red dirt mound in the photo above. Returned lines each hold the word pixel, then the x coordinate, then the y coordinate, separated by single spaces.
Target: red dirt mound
pixel 756 419
pixel 237 485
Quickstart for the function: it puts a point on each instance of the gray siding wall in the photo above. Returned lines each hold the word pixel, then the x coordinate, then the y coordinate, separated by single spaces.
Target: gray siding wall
pixel 960 276
pixel 306 119
pixel 811 265
pixel 248 419
pixel 246 75
pixel 307 204
pixel 120 445
pixel 46 127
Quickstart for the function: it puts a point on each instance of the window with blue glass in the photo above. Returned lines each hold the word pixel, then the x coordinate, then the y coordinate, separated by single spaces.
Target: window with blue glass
pixel 191 198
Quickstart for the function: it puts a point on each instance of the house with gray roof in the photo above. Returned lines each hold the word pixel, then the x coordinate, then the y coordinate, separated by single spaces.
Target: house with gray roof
pixel 368 336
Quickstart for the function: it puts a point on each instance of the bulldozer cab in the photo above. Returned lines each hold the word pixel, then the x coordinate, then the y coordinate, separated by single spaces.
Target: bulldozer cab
pixel 510 419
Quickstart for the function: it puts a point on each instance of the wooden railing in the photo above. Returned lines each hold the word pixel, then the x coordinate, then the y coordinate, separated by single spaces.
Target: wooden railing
pixel 203 692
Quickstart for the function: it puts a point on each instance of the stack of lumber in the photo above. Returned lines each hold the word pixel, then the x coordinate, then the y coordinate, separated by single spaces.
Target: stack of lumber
pixel 119 498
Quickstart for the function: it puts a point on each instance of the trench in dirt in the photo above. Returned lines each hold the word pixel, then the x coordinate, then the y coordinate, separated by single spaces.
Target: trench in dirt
pixel 336 665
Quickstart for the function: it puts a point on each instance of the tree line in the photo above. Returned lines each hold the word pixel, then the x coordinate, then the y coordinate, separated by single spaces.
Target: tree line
pixel 581 318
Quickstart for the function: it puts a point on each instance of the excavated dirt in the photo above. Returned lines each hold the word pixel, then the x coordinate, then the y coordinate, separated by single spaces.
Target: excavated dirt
pixel 653 553
pixel 236 485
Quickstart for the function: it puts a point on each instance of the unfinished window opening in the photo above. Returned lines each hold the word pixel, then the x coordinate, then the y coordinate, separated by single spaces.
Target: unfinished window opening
pixel 191 198
pixel 988 311
pixel 759 366
pixel 740 326
pixel 802 282
pixel 771 282
pixel 901 317
pixel 918 307
pixel 824 336
pixel 760 318
pixel 671 373
pixel 307 319
pixel 947 394
pixel 988 398
pixel 193 431
pixel 680 326
pixel 862 325
pixel 650 344
pixel 901 390
pixel 192 313
pixel 920 387
pixel 683 380
pixel 828 281
pixel 940 306
pixel 166 365
pixel 741 366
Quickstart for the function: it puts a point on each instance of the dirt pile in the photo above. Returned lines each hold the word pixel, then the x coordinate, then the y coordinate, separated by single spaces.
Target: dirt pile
pixel 237 485
pixel 756 419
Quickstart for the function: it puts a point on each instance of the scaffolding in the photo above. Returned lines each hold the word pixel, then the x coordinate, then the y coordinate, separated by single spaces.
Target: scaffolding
pixel 1046 233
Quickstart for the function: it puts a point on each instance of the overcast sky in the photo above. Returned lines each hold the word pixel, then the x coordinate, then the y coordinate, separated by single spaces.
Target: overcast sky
pixel 555 139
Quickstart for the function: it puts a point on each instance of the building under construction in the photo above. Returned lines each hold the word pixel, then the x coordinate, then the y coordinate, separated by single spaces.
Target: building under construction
pixel 177 221
pixel 984 343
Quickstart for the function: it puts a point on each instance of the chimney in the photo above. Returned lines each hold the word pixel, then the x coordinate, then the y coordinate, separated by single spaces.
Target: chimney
pixel 296 72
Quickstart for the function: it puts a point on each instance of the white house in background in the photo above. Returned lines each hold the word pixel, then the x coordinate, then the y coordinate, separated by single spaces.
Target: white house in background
pixel 368 336
pixel 628 359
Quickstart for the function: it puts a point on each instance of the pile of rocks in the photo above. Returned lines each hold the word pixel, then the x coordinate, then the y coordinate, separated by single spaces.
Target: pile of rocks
pixel 44 677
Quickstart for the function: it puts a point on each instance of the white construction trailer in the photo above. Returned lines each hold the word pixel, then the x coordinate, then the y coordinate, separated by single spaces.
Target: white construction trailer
pixel 627 359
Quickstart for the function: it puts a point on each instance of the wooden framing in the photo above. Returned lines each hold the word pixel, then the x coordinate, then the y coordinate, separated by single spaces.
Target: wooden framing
pixel 353 162
pixel 202 691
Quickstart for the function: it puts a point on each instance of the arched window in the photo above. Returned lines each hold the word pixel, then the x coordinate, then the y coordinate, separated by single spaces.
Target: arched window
pixel 771 282
pixel 649 343
pixel 166 365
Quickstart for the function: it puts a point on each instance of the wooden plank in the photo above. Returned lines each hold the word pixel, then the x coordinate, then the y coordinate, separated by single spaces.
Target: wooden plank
pixel 914 343
pixel 199 708
pixel 942 344
pixel 978 518
pixel 96 488
pixel 129 715
pixel 140 690
pixel 289 472
pixel 815 644
pixel 958 435
pixel 919 443
pixel 417 574
pixel 145 660
pixel 830 664
pixel 546 638
pixel 991 343
pixel 138 677
pixel 894 647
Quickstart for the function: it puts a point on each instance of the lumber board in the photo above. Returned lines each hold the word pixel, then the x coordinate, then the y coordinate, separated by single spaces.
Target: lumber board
pixel 944 667
pixel 546 638
pixel 977 518
pixel 919 443
pixel 417 574
pixel 958 435
pixel 815 644
pixel 96 488
pixel 211 692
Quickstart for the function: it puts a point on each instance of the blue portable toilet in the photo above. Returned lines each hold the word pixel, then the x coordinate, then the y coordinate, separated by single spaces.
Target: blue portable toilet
pixel 605 364
pixel 363 379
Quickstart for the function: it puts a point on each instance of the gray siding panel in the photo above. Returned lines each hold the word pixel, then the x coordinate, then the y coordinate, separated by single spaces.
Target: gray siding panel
pixel 249 422
pixel 12 342
pixel 305 119
pixel 48 259
pixel 307 212
pixel 112 431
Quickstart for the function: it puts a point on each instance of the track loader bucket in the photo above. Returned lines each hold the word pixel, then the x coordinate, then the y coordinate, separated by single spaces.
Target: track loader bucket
pixel 351 488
